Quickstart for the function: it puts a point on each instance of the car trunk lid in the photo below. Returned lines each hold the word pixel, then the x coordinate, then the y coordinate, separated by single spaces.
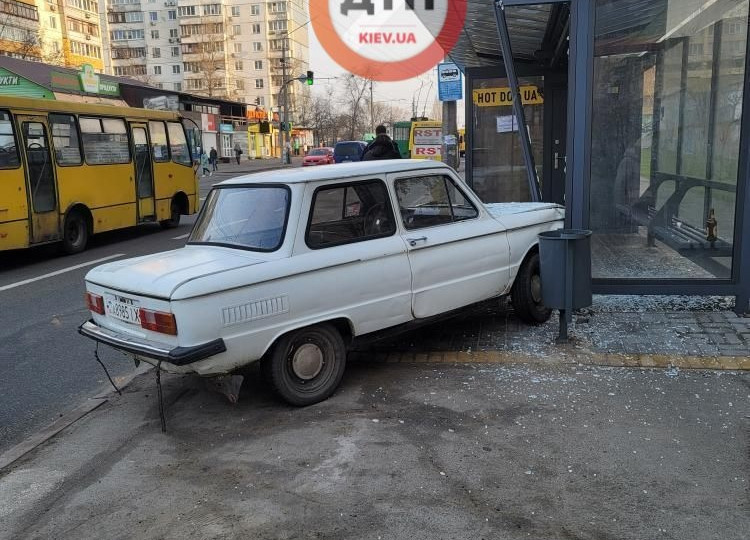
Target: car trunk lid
pixel 160 274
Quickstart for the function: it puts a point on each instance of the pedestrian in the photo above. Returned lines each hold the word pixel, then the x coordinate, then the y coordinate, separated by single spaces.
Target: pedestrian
pixel 296 147
pixel 237 152
pixel 204 165
pixel 381 147
pixel 213 157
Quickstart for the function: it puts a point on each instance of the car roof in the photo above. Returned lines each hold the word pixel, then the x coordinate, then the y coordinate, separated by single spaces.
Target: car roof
pixel 349 142
pixel 300 175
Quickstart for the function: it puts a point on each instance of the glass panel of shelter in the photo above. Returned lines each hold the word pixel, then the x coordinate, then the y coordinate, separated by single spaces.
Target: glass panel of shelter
pixel 668 82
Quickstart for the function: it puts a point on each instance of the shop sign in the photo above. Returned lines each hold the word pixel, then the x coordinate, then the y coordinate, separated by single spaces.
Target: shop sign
pixel 226 128
pixel 91 83
pixel 86 81
pixel 499 97
pixel 162 103
pixel 15 85
pixel 208 122
pixel 256 114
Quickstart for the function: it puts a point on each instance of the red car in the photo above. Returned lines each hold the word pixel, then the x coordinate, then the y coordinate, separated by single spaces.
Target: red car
pixel 318 156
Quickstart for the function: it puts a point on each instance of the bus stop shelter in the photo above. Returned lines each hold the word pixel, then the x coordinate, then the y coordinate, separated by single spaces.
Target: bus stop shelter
pixel 631 114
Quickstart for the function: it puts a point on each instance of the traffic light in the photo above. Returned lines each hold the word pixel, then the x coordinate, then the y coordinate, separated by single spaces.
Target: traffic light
pixel 309 78
pixel 257 101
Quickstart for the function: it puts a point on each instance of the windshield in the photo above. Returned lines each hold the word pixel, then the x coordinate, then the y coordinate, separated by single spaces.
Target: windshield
pixel 347 149
pixel 318 152
pixel 246 217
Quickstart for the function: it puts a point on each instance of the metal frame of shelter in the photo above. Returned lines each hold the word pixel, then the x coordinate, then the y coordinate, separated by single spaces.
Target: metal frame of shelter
pixel 578 171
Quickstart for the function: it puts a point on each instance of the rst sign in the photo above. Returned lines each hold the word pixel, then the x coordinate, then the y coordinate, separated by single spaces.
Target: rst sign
pixel 426 140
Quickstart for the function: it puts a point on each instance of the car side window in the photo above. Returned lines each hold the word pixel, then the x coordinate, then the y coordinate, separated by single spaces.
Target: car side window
pixel 427 201
pixel 347 213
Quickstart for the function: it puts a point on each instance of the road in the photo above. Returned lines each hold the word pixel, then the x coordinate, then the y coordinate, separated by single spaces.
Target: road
pixel 47 367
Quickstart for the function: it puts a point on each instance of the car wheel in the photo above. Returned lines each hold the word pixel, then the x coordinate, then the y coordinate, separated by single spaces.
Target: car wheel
pixel 75 233
pixel 526 294
pixel 174 219
pixel 306 365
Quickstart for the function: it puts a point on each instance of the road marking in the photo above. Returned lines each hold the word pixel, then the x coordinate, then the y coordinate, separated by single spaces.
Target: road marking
pixel 58 272
pixel 181 236
pixel 203 198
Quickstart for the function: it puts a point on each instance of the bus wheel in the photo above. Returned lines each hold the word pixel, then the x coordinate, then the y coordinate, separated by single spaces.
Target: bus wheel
pixel 75 233
pixel 174 220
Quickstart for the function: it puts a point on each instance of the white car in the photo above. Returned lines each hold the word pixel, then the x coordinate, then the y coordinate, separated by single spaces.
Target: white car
pixel 288 267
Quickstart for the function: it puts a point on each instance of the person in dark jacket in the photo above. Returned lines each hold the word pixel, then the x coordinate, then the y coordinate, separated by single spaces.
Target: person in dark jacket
pixel 381 147
pixel 213 158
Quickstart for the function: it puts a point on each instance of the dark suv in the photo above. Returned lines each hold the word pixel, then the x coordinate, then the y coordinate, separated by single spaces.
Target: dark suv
pixel 348 151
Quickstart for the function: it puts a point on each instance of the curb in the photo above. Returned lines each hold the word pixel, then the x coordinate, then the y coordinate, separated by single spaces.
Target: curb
pixel 733 363
pixel 18 451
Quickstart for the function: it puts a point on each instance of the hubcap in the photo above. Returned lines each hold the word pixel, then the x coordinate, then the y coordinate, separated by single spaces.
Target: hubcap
pixel 536 288
pixel 74 233
pixel 307 361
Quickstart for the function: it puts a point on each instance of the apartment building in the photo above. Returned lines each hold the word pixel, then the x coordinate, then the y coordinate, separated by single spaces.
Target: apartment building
pixel 60 32
pixel 142 41
pixel 220 48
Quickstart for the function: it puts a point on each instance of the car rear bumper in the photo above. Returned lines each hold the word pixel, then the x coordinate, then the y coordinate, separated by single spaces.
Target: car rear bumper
pixel 178 356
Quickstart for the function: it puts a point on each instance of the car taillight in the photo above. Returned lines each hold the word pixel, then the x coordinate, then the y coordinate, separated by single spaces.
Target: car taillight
pixel 158 321
pixel 95 303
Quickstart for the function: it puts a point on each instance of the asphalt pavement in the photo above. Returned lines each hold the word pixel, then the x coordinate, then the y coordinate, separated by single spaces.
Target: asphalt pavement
pixel 48 369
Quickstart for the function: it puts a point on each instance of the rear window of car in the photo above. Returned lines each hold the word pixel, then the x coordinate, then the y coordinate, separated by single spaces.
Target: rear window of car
pixel 347 149
pixel 318 152
pixel 246 217
pixel 347 213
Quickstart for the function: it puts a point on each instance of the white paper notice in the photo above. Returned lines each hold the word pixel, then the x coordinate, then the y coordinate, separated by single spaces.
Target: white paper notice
pixel 506 124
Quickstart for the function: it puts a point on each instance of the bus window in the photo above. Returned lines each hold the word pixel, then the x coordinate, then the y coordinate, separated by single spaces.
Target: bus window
pixel 178 144
pixel 105 141
pixel 65 139
pixel 8 151
pixel 159 148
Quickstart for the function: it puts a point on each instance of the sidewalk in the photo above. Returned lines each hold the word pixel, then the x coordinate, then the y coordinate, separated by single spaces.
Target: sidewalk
pixel 255 165
pixel 682 332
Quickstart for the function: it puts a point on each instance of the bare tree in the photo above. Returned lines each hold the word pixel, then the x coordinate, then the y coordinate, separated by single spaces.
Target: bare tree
pixel 353 101
pixel 210 60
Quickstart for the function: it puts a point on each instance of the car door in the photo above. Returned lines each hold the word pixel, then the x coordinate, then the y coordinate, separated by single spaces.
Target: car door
pixel 357 264
pixel 457 252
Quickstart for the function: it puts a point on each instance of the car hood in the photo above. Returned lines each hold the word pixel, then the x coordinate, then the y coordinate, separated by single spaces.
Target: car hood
pixel 161 274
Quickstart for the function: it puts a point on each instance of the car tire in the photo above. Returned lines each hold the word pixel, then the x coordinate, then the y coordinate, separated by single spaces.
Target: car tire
pixel 306 366
pixel 526 294
pixel 75 233
pixel 174 219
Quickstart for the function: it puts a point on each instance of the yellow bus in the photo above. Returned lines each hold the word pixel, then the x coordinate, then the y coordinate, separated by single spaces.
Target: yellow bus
pixel 70 170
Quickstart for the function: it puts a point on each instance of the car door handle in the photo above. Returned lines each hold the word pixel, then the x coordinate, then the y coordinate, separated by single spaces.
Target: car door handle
pixel 413 241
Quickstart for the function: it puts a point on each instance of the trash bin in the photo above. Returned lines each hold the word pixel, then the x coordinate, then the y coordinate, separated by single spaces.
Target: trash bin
pixel 565 268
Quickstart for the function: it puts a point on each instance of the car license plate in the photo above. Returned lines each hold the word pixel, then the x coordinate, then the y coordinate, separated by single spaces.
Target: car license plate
pixel 120 307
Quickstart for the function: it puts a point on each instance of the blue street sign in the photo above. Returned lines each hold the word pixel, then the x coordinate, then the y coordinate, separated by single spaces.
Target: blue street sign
pixel 450 87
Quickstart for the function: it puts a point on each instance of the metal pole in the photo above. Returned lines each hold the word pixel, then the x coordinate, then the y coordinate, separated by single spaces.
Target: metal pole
pixel 528 157
pixel 280 102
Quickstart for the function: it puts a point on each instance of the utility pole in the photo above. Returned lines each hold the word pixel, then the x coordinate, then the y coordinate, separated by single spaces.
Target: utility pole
pixel 282 105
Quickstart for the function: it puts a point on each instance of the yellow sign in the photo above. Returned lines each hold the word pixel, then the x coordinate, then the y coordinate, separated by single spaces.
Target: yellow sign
pixel 498 97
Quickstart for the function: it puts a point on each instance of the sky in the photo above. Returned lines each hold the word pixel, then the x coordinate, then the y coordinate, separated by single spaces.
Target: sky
pixel 422 89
